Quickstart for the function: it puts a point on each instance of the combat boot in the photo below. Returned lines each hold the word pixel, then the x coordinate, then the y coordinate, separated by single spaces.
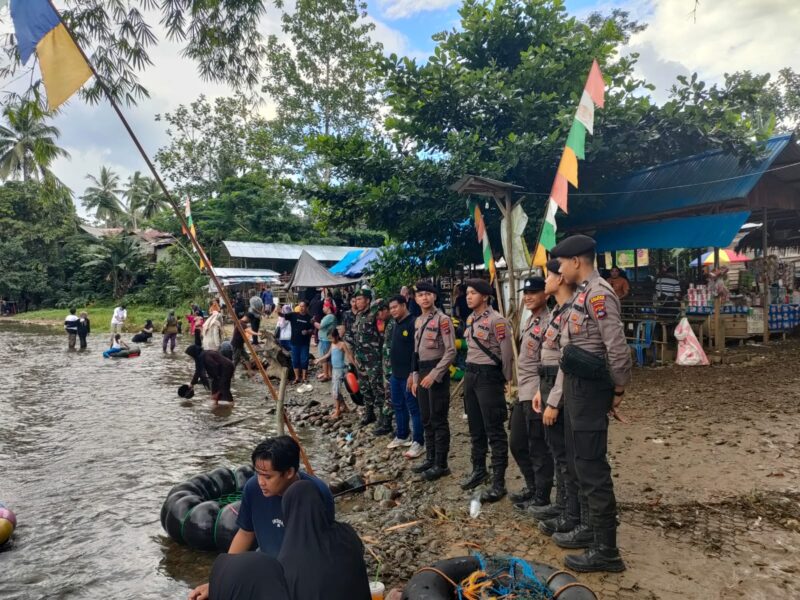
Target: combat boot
pixel 603 556
pixel 549 510
pixel 582 536
pixel 435 472
pixel 569 518
pixel 476 478
pixel 522 497
pixel 369 416
pixel 498 489
pixel 430 454
pixel 383 426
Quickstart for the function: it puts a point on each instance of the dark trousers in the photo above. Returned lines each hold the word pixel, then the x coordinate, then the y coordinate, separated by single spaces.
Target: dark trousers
pixel 586 406
pixel 485 403
pixel 529 447
pixel 82 338
pixel 222 385
pixel 434 406
pixel 557 442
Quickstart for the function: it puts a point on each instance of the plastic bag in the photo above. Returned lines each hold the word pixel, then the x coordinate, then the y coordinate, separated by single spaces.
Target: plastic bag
pixel 690 352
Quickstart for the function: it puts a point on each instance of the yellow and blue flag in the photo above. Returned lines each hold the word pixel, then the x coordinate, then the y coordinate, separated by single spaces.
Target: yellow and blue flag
pixel 39 30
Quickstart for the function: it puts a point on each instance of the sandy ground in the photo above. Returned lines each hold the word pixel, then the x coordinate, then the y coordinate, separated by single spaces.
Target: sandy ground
pixel 706 475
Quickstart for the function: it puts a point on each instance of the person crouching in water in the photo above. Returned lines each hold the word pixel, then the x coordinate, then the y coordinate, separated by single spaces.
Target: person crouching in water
pixel 145 334
pixel 214 371
pixel 339 351
pixel 117 345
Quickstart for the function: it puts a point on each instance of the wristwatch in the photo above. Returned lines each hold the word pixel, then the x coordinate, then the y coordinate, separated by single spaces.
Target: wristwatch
pixel 622 393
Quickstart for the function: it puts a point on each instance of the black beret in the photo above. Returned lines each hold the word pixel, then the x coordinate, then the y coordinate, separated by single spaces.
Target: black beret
pixel 553 266
pixel 575 245
pixel 481 286
pixel 425 286
pixel 533 284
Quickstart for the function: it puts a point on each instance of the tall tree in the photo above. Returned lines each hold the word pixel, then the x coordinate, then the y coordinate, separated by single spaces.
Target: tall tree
pixel 103 196
pixel 118 259
pixel 28 145
pixel 134 198
pixel 323 80
pixel 153 200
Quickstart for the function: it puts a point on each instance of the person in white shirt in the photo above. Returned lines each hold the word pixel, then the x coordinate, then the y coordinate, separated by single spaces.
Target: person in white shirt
pixel 118 320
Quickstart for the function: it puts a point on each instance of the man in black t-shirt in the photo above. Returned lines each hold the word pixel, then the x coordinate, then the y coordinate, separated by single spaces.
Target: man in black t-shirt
pixel 402 359
pixel 302 327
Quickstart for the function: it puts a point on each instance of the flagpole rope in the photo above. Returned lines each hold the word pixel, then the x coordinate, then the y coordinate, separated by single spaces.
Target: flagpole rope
pixel 197 246
pixel 671 187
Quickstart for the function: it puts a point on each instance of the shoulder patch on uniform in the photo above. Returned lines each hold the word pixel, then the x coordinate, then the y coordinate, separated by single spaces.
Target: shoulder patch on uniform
pixel 500 331
pixel 444 325
pixel 598 303
pixel 469 320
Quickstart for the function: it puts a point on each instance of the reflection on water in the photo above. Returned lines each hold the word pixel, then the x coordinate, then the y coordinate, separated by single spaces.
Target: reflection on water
pixel 88 450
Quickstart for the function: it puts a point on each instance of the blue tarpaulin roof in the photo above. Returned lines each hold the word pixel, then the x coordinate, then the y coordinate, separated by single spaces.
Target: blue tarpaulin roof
pixel 695 182
pixel 358 267
pixel 688 232
pixel 341 267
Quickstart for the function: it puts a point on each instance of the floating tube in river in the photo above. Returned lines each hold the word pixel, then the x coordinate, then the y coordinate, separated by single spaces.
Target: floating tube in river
pixel 8 522
pixel 428 584
pixel 131 352
pixel 201 513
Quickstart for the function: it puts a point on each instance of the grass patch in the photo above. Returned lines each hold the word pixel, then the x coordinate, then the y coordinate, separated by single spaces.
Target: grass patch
pixel 100 316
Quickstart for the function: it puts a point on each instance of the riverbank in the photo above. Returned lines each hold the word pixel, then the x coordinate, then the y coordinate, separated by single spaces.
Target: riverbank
pixel 706 476
pixel 99 317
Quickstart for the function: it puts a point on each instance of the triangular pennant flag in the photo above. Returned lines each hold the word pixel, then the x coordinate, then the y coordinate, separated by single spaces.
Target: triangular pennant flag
pixel 585 113
pixel 577 139
pixel 559 192
pixel 595 85
pixel 568 166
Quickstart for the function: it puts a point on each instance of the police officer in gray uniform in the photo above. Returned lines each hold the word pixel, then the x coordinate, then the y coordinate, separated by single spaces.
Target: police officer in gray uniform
pixel 596 366
pixel 434 341
pixel 489 367
pixel 527 437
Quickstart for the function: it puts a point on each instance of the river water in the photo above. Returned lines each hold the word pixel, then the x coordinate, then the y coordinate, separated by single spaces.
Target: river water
pixel 88 451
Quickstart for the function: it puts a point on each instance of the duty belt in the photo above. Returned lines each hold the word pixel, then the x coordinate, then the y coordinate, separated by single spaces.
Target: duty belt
pixel 473 368
pixel 428 365
pixel 548 371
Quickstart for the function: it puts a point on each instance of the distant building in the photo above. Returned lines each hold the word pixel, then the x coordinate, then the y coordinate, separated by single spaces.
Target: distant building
pixel 281 257
pixel 153 243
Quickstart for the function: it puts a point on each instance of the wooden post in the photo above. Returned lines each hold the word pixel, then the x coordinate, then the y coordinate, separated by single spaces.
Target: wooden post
pixel 279 411
pixel 719 335
pixel 635 265
pixel 765 288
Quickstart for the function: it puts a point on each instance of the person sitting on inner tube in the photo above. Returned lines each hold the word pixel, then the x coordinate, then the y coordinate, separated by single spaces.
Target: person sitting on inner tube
pixel 210 364
pixel 276 461
pixel 145 334
pixel 117 345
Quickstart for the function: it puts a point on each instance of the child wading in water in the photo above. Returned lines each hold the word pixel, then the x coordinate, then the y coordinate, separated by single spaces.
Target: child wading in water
pixel 337 354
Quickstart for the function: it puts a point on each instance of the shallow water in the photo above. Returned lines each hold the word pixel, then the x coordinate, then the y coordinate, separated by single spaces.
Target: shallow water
pixel 88 450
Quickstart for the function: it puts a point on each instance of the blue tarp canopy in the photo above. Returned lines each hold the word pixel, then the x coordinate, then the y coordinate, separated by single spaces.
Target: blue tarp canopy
pixel 690 232
pixel 341 267
pixel 358 267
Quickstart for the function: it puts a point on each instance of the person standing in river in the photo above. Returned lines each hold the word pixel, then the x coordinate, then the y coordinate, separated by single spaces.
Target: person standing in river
pixel 84 329
pixel 169 332
pixel 118 320
pixel 71 327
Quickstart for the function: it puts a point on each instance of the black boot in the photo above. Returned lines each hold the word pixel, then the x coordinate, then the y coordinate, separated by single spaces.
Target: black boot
pixel 582 536
pixel 369 416
pixel 522 497
pixel 429 460
pixel 544 511
pixel 383 426
pixel 603 556
pixel 435 472
pixel 498 489
pixel 476 478
pixel 569 518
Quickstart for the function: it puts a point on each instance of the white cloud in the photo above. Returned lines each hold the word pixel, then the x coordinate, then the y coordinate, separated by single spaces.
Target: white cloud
pixel 393 41
pixel 723 37
pixel 400 9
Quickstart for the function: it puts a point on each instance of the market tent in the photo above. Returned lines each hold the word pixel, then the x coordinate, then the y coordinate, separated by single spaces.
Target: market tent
pixel 341 267
pixel 689 232
pixel 310 273
pixel 725 256
pixel 358 267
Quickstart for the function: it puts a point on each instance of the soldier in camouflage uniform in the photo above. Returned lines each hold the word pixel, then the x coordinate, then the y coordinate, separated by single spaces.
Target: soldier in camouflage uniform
pixel 385 412
pixel 367 341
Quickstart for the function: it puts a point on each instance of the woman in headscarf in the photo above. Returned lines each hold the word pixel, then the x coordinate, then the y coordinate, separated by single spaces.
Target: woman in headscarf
pixel 248 576
pixel 321 558
pixel 213 370
pixel 212 331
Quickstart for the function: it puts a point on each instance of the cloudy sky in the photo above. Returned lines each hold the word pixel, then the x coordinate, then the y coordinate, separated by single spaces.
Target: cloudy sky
pixel 759 35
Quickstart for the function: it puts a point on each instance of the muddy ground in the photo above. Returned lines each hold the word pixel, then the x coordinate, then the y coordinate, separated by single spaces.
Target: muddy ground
pixel 706 475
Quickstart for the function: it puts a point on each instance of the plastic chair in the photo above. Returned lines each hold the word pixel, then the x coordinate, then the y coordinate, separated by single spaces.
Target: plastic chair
pixel 643 340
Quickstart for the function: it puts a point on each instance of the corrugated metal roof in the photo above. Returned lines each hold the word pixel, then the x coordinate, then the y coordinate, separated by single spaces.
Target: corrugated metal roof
pixel 286 251
pixel 634 195
pixel 228 272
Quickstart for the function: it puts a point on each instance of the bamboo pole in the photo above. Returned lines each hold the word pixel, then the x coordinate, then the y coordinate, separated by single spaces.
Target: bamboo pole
pixel 765 288
pixel 719 334
pixel 197 246
pixel 281 399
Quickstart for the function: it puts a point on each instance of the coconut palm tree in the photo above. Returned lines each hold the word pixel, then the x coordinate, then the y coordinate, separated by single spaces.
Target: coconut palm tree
pixel 118 259
pixel 27 144
pixel 134 197
pixel 103 197
pixel 154 200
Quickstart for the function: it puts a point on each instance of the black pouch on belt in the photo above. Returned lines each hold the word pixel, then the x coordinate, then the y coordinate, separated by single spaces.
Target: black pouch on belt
pixel 580 363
